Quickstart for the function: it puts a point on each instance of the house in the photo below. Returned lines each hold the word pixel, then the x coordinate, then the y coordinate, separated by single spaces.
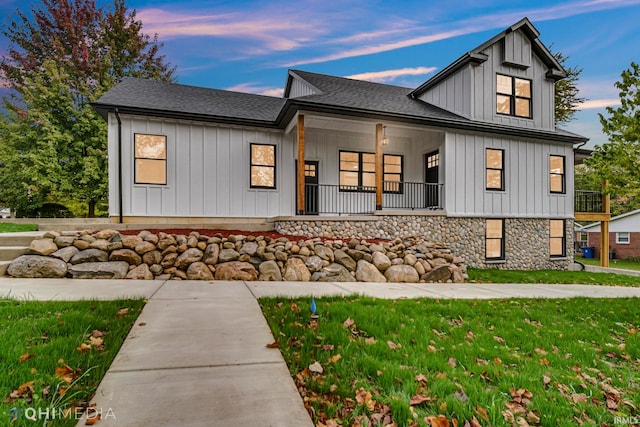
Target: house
pixel 471 158
pixel 624 235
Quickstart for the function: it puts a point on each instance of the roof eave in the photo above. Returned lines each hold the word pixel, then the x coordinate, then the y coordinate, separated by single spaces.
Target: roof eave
pixel 105 109
pixel 293 105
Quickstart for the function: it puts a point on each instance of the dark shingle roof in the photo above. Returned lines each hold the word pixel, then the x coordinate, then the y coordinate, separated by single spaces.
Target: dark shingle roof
pixel 374 97
pixel 150 96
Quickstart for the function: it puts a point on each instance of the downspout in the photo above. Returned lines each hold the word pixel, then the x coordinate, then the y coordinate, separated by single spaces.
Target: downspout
pixel 115 111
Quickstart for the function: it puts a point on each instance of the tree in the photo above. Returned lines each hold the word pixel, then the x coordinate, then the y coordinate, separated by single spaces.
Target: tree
pixel 617 160
pixel 66 55
pixel 566 92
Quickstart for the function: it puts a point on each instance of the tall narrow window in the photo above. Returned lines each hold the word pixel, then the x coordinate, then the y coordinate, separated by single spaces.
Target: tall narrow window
pixel 557 238
pixel 150 152
pixel 556 174
pixel 494 241
pixel 513 96
pixel 263 166
pixel 358 172
pixel 495 169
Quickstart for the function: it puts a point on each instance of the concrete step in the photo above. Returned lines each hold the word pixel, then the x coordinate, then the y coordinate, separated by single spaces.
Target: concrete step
pixel 3 267
pixel 9 253
pixel 17 239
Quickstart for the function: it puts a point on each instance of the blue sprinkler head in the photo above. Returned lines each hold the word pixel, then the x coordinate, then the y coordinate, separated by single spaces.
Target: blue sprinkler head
pixel 313 305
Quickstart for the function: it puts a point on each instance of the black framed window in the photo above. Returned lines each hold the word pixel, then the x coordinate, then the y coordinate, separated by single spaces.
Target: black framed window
pixel 495 169
pixel 263 166
pixel 513 96
pixel 557 238
pixel 556 174
pixel 150 157
pixel 358 172
pixel 494 239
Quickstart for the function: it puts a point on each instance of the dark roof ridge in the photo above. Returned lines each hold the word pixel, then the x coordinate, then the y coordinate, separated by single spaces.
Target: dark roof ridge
pixel 351 79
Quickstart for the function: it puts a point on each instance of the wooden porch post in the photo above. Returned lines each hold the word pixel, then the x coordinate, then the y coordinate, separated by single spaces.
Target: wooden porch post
pixel 379 172
pixel 604 228
pixel 300 168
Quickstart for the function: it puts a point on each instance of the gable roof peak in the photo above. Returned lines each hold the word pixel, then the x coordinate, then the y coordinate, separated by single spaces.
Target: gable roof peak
pixel 475 56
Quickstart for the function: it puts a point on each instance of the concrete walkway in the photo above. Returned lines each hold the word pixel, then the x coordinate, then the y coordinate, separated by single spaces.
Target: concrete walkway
pixel 197 354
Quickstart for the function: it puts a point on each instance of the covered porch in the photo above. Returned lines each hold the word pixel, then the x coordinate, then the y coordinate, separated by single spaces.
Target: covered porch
pixel 364 166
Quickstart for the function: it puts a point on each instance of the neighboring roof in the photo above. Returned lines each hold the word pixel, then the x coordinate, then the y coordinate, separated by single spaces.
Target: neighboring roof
pixel 158 98
pixel 613 219
pixel 475 56
pixel 580 155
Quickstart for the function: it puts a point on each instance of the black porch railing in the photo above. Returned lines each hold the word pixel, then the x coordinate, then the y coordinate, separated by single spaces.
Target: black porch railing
pixel 411 195
pixel 353 199
pixel 588 201
pixel 339 199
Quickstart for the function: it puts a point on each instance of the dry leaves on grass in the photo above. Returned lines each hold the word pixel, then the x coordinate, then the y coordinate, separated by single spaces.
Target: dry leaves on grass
pixel 67 374
pixel 122 312
pixel 316 367
pixel 24 391
pixel 419 399
pixel 26 357
pixel 93 341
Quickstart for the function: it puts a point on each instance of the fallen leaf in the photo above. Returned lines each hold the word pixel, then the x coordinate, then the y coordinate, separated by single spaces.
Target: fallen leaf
pixel 431 349
pixel 544 361
pixel 579 398
pixel 532 417
pixel 497 361
pixel 474 422
pixel 84 347
pixel 274 344
pixel 470 335
pixel 439 421
pixel 294 307
pixel 482 413
pixel 316 367
pixel 24 390
pixel 499 339
pixel 452 362
pixel 327 347
pixel 461 396
pixel 26 357
pixel 482 362
pixel 142 324
pixel 420 398
pixel 364 398
pixel 335 358
pixel 546 380
pixel 522 422
pixel 332 423
pixel 66 373
pixel 541 351
pixel 92 419
pixel 421 378
pixel 369 340
pixel 333 388
pixel 393 346
pixel 349 322
pixel 96 342
pixel 122 312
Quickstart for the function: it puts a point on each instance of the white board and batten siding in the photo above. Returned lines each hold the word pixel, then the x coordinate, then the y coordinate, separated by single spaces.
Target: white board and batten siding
pixel 526 178
pixel 300 88
pixel 471 91
pixel 207 171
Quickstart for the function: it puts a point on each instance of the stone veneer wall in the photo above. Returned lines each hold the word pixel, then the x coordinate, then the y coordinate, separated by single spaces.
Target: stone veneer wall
pixel 526 239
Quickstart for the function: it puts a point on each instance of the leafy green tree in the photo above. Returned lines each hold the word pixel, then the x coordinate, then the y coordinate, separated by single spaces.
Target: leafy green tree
pixel 62 56
pixel 617 160
pixel 567 100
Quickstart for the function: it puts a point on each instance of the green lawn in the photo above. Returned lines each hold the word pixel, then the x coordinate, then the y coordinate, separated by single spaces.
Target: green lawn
pixel 614 263
pixel 9 227
pixel 54 354
pixel 550 276
pixel 502 362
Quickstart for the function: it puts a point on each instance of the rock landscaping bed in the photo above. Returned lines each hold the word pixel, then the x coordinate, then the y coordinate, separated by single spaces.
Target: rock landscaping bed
pixel 109 254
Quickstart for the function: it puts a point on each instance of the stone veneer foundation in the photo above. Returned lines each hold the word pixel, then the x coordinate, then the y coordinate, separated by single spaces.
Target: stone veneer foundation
pixel 526 239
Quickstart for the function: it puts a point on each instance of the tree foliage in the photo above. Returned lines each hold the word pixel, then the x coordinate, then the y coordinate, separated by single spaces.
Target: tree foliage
pixel 617 160
pixel 567 100
pixel 63 55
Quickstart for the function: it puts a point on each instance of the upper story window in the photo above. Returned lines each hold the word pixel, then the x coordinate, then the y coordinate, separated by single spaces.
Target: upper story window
pixel 495 169
pixel 150 153
pixel 358 172
pixel 263 166
pixel 556 174
pixel 513 96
